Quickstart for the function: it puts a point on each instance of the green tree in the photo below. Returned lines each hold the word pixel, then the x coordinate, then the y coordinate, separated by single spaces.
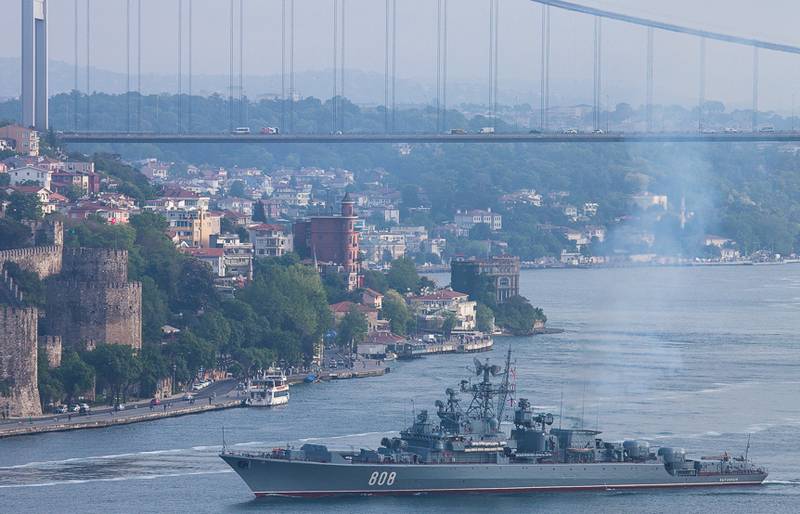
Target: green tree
pixel 259 213
pixel 402 276
pixel 375 280
pixel 51 390
pixel 24 206
pixel 353 328
pixel 117 369
pixel 480 232
pixel 75 375
pixel 396 310
pixel 154 367
pixel 448 324
pixel 237 189
pixel 484 318
pixel 13 234
pixel 518 316
pixel 188 353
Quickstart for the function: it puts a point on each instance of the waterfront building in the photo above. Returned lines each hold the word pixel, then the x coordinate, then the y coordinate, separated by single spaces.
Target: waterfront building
pixel 431 310
pixel 502 272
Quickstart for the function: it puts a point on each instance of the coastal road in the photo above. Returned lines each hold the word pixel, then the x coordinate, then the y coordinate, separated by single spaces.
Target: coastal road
pixel 223 389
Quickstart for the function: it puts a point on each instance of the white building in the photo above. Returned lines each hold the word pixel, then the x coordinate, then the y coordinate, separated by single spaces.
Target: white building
pixel 270 240
pixel 465 220
pixel 25 174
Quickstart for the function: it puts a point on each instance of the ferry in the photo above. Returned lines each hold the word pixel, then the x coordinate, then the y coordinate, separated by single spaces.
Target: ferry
pixel 268 390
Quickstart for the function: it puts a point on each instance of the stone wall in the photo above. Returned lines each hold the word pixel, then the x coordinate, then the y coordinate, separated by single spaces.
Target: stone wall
pixel 52 349
pixel 18 361
pixel 95 265
pixel 45 261
pixel 85 314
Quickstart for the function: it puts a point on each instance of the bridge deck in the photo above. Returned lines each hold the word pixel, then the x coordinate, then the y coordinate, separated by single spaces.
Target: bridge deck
pixel 661 137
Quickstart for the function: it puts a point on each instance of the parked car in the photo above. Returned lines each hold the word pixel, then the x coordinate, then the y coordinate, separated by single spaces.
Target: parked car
pixel 154 402
pixel 85 409
pixel 188 397
pixel 60 409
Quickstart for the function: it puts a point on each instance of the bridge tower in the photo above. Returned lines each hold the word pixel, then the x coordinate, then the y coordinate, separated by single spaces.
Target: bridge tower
pixel 34 64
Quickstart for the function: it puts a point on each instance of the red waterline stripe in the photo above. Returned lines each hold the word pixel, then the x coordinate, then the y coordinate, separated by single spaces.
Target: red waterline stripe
pixel 566 488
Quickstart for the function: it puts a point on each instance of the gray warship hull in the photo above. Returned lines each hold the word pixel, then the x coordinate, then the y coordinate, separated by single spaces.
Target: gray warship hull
pixel 276 477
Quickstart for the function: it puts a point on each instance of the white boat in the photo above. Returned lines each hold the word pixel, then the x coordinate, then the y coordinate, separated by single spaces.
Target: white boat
pixel 267 390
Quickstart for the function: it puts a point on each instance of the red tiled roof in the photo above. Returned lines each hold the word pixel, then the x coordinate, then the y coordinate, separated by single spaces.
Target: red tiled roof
pixel 344 308
pixel 204 252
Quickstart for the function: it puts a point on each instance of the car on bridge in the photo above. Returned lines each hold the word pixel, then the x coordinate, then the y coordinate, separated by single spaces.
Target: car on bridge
pixel 241 131
pixel 270 131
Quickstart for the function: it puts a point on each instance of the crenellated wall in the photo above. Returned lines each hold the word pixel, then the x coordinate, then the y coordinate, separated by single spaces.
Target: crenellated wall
pixel 19 393
pixel 52 349
pixel 45 261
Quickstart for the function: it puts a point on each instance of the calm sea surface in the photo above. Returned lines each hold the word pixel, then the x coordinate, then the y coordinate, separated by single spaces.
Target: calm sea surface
pixel 696 358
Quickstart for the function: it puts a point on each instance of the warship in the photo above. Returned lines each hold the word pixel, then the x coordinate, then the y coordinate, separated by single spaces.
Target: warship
pixel 464 449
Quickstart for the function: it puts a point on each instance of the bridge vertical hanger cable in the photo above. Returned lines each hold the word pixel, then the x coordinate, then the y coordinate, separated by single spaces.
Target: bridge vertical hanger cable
pixel 76 88
pixel 291 66
pixel 283 66
pixel 230 69
pixel 491 59
pixel 242 105
pixel 139 65
pixel 180 66
pixel 496 59
pixel 438 65
pixel 88 67
pixel 394 65
pixel 755 89
pixel 649 86
pixel 386 71
pixel 344 46
pixel 444 67
pixel 545 86
pixel 128 65
pixel 701 102
pixel 334 102
pixel 598 54
pixel 189 78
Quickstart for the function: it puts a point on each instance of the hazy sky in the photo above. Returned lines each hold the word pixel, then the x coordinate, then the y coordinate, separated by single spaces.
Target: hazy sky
pixel 676 56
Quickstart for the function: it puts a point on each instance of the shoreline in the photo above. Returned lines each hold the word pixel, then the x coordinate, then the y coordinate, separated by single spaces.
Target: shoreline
pixel 62 426
pixel 632 265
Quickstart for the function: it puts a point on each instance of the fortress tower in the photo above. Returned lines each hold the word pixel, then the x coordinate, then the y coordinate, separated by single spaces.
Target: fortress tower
pixel 92 302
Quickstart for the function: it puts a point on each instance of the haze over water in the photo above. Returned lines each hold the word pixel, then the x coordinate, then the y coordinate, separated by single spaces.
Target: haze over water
pixel 690 357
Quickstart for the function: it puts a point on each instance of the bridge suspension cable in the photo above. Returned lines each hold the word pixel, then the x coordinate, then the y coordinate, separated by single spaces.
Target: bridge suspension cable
pixel 242 106
pixel 283 66
pixel 88 67
pixel 649 81
pixel 598 68
pixel 76 88
pixel 180 66
pixel 139 66
pixel 230 69
pixel 545 72
pixel 189 78
pixel 755 89
pixel 128 65
pixel 701 103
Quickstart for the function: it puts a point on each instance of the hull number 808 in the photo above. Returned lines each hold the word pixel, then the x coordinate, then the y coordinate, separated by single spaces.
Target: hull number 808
pixel 382 478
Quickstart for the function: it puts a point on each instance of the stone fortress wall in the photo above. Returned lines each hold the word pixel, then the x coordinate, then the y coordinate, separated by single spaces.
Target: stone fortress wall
pixel 19 391
pixel 89 301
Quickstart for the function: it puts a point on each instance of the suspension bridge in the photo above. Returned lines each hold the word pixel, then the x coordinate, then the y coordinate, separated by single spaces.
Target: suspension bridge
pixel 34 94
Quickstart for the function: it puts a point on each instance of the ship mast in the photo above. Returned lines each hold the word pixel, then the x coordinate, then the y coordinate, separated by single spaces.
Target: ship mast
pixel 504 389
